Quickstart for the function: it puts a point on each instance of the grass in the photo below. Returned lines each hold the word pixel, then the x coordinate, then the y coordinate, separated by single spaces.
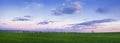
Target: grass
pixel 6 37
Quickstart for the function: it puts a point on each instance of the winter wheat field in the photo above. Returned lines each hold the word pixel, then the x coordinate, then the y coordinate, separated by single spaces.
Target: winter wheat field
pixel 59 21
pixel 59 37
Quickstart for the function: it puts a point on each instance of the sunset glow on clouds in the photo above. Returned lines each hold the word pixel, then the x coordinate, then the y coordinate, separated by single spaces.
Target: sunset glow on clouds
pixel 60 15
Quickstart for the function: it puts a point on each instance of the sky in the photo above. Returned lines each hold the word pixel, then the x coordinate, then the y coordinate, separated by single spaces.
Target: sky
pixel 60 15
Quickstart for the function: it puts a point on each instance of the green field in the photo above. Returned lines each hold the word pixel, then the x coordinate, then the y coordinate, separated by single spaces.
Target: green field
pixel 6 37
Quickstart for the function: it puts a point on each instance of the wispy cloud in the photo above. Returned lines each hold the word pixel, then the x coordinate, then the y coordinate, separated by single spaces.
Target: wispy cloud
pixel 45 22
pixel 102 10
pixel 91 23
pixel 33 5
pixel 21 19
pixel 73 8
pixel 3 23
pixel 24 18
pixel 27 16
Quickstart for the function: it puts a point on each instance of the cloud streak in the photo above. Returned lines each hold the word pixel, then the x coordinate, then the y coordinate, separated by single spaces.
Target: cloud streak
pixel 45 22
pixel 24 18
pixel 91 23
pixel 96 22
pixel 27 16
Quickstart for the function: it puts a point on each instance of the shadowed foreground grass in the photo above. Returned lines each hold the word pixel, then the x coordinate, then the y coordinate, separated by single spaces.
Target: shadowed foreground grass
pixel 59 37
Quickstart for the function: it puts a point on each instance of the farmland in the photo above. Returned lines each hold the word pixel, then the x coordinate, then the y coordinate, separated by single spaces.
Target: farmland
pixel 54 37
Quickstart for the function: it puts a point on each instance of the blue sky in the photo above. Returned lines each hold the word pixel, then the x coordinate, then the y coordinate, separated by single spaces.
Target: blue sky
pixel 40 15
